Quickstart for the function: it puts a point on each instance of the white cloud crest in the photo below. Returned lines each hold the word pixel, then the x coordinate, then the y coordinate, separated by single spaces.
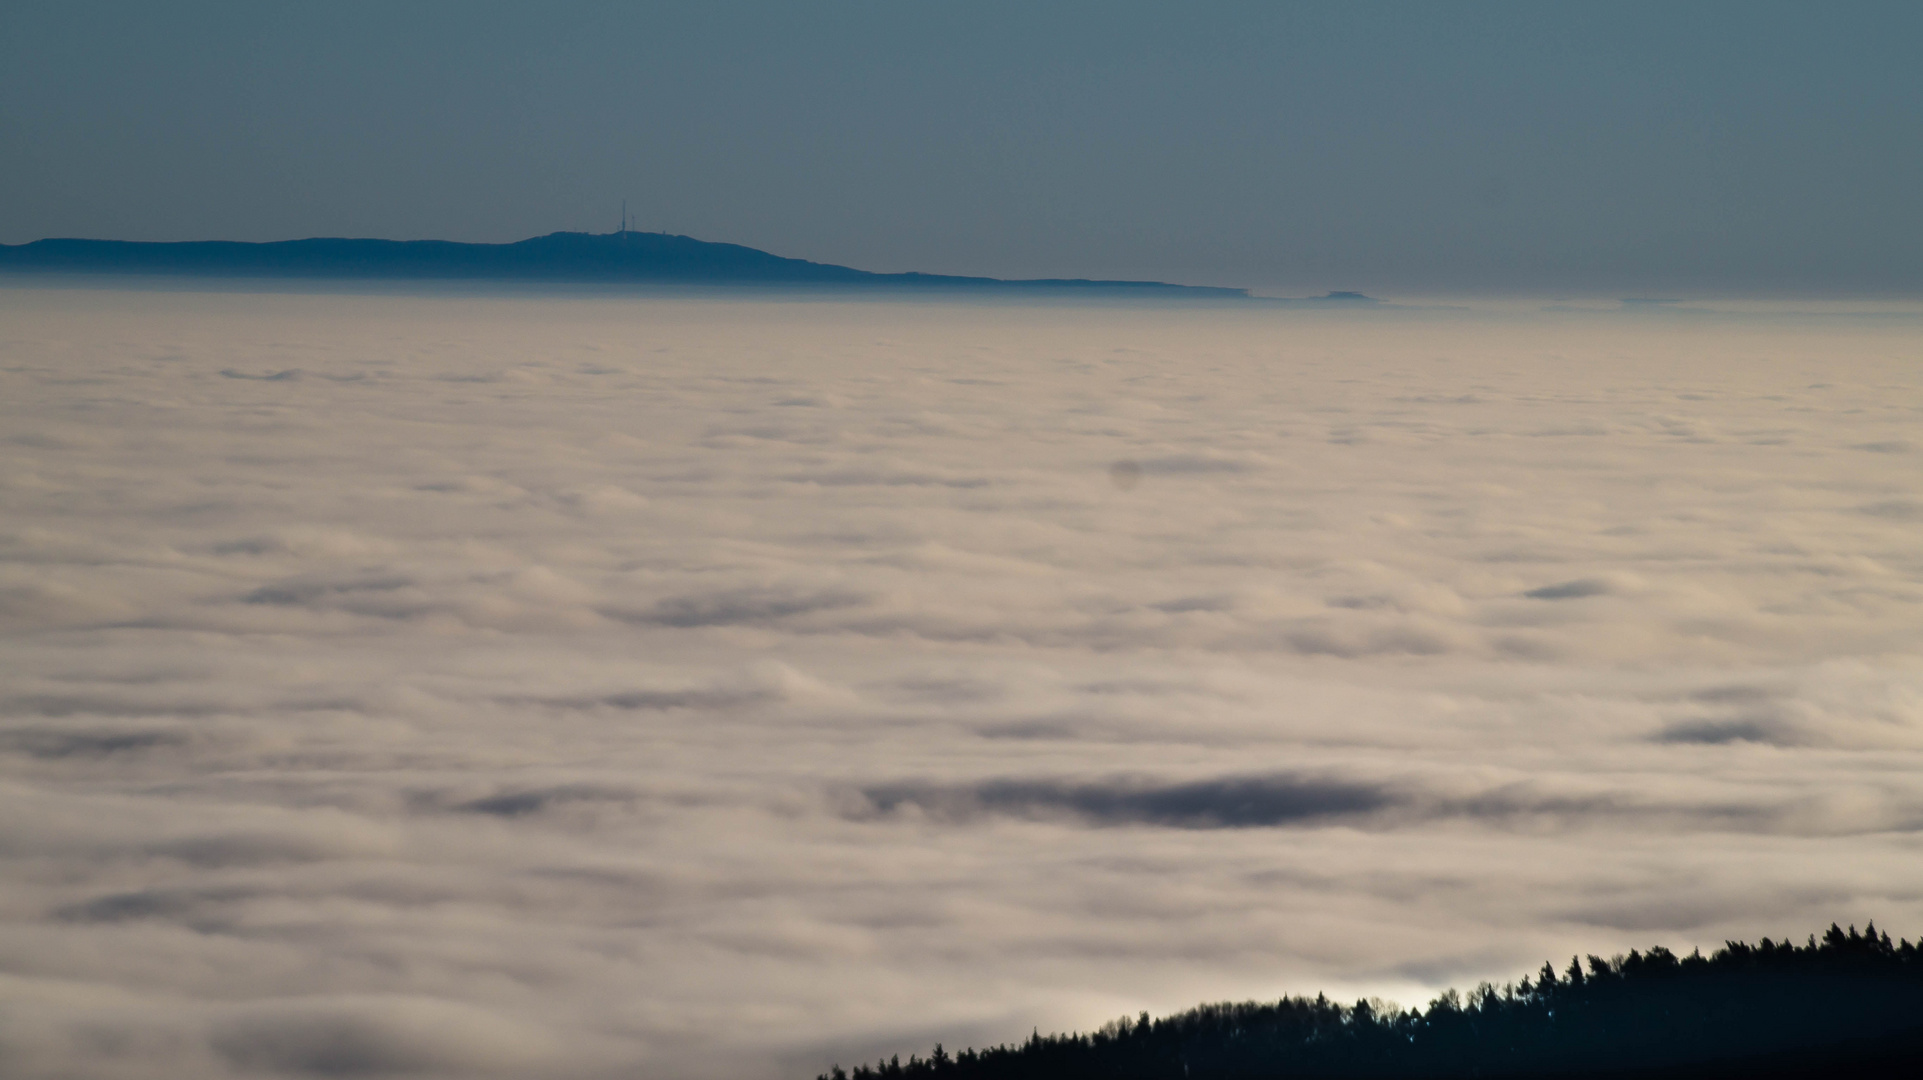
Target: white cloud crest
pixel 463 686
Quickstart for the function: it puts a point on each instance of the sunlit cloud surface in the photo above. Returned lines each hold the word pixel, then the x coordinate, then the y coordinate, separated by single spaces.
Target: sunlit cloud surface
pixel 473 686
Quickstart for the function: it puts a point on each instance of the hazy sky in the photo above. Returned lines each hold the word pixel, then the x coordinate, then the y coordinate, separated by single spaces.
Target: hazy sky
pixel 1618 149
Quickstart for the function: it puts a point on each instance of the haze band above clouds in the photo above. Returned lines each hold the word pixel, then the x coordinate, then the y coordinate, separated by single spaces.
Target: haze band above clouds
pixel 467 687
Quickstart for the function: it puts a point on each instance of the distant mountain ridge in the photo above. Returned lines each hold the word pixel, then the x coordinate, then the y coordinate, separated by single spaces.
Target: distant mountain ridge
pixel 625 256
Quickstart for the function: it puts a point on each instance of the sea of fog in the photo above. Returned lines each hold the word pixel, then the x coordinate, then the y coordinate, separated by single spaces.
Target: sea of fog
pixel 680 687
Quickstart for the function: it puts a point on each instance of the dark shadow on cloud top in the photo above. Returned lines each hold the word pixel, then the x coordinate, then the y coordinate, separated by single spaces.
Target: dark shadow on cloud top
pixel 1895 509
pixel 59 706
pixel 375 1035
pixel 512 804
pixel 56 744
pixel 1716 732
pixel 206 910
pixel 1228 803
pixel 315 592
pixel 1302 800
pixel 1571 590
pixel 741 607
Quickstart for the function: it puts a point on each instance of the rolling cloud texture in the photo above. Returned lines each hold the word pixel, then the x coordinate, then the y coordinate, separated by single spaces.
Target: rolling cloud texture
pixel 456 686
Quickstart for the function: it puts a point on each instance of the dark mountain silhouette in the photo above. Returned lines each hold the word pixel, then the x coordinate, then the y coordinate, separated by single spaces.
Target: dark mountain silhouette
pixel 638 257
pixel 1848 1006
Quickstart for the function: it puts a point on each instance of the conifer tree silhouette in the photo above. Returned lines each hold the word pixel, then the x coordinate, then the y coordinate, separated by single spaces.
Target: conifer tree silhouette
pixel 1851 1005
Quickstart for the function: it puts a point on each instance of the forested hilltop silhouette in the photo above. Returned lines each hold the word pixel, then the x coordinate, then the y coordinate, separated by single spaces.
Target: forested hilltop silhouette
pixel 619 257
pixel 1850 1005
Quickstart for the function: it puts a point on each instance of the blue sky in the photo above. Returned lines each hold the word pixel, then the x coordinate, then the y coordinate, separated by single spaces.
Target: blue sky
pixel 1620 149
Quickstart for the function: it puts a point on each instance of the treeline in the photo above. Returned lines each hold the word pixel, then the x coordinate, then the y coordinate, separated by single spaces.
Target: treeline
pixel 1850 1004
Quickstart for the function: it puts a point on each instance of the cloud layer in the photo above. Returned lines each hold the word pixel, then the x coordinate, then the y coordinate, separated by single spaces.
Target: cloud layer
pixel 459 687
